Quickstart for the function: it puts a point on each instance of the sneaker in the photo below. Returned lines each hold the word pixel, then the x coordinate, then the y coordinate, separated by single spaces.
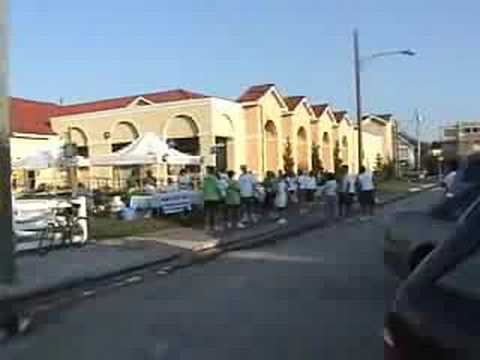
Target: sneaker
pixel 282 221
pixel 241 226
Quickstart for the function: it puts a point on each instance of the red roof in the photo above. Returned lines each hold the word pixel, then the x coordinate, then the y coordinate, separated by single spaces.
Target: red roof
pixel 110 104
pixel 293 101
pixel 31 117
pixel 254 93
pixel 339 115
pixel 319 109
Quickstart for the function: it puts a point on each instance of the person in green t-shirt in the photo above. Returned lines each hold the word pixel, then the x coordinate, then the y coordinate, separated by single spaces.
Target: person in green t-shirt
pixel 233 201
pixel 211 198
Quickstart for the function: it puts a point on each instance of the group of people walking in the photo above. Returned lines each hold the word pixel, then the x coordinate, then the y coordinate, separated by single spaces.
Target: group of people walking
pixel 234 202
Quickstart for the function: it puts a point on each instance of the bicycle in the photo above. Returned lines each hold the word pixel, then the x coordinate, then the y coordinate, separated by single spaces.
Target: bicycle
pixel 64 227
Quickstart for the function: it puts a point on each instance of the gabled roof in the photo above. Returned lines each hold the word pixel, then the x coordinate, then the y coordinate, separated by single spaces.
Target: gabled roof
pixel 386 117
pixel 319 109
pixel 31 117
pixel 255 93
pixel 339 115
pixel 293 101
pixel 116 103
pixel 407 138
pixel 378 119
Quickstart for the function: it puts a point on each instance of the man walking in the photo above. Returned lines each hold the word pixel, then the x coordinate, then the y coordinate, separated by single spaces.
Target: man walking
pixel 366 194
pixel 346 193
pixel 247 185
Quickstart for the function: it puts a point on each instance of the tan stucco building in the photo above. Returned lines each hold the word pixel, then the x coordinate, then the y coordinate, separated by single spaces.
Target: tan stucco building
pixel 253 130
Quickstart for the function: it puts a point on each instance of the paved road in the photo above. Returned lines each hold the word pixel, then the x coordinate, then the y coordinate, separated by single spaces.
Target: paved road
pixel 321 296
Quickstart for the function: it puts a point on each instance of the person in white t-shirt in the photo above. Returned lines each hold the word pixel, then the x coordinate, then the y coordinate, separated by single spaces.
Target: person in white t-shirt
pixel 311 187
pixel 366 195
pixel 329 190
pixel 184 181
pixel 346 192
pixel 281 199
pixel 302 186
pixel 292 187
pixel 247 184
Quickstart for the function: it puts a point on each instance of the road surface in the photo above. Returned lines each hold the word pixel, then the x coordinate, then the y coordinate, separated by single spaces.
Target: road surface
pixel 319 296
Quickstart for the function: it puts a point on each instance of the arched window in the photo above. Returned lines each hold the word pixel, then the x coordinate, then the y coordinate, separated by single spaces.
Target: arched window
pixel 123 135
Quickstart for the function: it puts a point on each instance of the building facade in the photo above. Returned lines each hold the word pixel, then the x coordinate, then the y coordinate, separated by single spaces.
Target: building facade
pixel 253 130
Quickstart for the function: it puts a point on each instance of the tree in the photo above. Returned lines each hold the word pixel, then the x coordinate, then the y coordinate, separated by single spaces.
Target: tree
pixel 316 160
pixel 337 161
pixel 288 161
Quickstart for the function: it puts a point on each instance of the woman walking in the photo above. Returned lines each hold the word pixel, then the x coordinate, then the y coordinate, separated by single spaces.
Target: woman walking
pixel 281 200
pixel 233 202
pixel 212 197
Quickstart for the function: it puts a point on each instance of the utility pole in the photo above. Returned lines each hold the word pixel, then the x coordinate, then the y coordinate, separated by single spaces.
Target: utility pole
pixel 7 246
pixel 358 96
pixel 418 123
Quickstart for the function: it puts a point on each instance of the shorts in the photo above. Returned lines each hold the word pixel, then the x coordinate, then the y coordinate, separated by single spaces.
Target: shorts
pixel 345 198
pixel 367 198
pixel 310 195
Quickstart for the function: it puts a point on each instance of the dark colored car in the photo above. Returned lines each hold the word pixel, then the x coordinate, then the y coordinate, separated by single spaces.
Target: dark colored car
pixel 411 235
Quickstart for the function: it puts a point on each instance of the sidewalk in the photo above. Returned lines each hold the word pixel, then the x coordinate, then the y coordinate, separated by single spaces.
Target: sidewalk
pixel 66 268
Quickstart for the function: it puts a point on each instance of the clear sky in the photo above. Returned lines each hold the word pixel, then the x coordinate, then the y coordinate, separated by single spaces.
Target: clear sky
pixel 86 50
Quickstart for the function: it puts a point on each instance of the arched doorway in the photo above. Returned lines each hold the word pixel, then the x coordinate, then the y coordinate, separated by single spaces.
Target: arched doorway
pixel 182 133
pixel 326 152
pixel 78 137
pixel 344 151
pixel 271 146
pixel 123 135
pixel 302 149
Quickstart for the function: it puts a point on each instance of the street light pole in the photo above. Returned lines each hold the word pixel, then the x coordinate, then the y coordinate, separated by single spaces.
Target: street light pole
pixel 7 263
pixel 358 96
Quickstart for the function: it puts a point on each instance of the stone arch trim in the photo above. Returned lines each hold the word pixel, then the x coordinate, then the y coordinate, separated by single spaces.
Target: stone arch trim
pixel 181 126
pixel 345 149
pixel 302 148
pixel 272 146
pixel 79 136
pixel 327 150
pixel 128 128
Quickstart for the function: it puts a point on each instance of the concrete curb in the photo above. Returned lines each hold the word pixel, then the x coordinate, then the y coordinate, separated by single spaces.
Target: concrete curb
pixel 188 257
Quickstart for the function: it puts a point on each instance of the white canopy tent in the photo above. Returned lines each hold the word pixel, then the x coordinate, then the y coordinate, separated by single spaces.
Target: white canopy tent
pixel 148 149
pixel 48 157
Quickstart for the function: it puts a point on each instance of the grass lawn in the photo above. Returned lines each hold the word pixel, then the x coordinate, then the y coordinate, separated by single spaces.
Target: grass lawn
pixel 107 228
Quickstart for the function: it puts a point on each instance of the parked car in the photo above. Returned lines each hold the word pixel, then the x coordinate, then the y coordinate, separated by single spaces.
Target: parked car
pixel 411 235
pixel 447 314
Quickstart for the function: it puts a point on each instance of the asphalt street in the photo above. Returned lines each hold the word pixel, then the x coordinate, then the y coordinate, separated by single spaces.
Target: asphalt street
pixel 319 296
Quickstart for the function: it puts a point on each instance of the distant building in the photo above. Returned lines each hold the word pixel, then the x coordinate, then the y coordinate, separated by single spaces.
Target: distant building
pixel 407 148
pixel 253 129
pixel 461 139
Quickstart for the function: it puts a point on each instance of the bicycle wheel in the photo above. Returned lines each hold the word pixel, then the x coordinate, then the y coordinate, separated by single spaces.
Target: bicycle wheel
pixel 46 239
pixel 77 234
